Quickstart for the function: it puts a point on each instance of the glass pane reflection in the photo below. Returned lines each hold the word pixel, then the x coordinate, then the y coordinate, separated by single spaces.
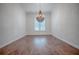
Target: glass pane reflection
pixel 40 42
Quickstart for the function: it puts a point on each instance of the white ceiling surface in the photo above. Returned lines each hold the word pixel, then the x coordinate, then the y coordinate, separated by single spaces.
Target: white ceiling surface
pixel 34 7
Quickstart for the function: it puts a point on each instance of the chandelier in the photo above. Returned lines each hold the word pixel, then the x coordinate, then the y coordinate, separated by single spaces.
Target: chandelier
pixel 40 16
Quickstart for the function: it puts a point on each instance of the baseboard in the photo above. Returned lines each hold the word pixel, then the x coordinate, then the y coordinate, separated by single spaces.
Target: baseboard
pixel 72 44
pixel 12 41
pixel 38 34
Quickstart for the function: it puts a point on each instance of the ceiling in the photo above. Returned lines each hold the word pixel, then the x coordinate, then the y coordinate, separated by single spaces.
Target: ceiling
pixel 34 7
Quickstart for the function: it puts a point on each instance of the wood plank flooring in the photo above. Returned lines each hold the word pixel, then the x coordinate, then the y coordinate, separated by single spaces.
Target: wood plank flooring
pixel 39 45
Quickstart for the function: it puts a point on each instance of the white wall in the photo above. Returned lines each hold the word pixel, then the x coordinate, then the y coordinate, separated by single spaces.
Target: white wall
pixel 30 24
pixel 12 23
pixel 65 23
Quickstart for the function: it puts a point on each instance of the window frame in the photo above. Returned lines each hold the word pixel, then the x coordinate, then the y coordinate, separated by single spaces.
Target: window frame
pixel 39 29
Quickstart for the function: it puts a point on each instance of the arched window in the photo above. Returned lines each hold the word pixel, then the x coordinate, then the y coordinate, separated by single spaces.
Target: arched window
pixel 39 26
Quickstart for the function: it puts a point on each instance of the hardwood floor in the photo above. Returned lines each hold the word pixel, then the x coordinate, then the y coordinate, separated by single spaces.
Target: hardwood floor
pixel 39 45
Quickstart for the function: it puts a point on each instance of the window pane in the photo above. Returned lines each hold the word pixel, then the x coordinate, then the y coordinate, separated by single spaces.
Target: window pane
pixel 39 26
pixel 42 26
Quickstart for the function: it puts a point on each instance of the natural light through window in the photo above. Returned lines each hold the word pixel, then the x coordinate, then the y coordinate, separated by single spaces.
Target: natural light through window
pixel 39 26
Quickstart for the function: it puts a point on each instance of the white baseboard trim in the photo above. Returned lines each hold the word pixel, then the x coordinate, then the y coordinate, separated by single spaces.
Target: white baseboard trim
pixel 12 41
pixel 38 34
pixel 72 44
